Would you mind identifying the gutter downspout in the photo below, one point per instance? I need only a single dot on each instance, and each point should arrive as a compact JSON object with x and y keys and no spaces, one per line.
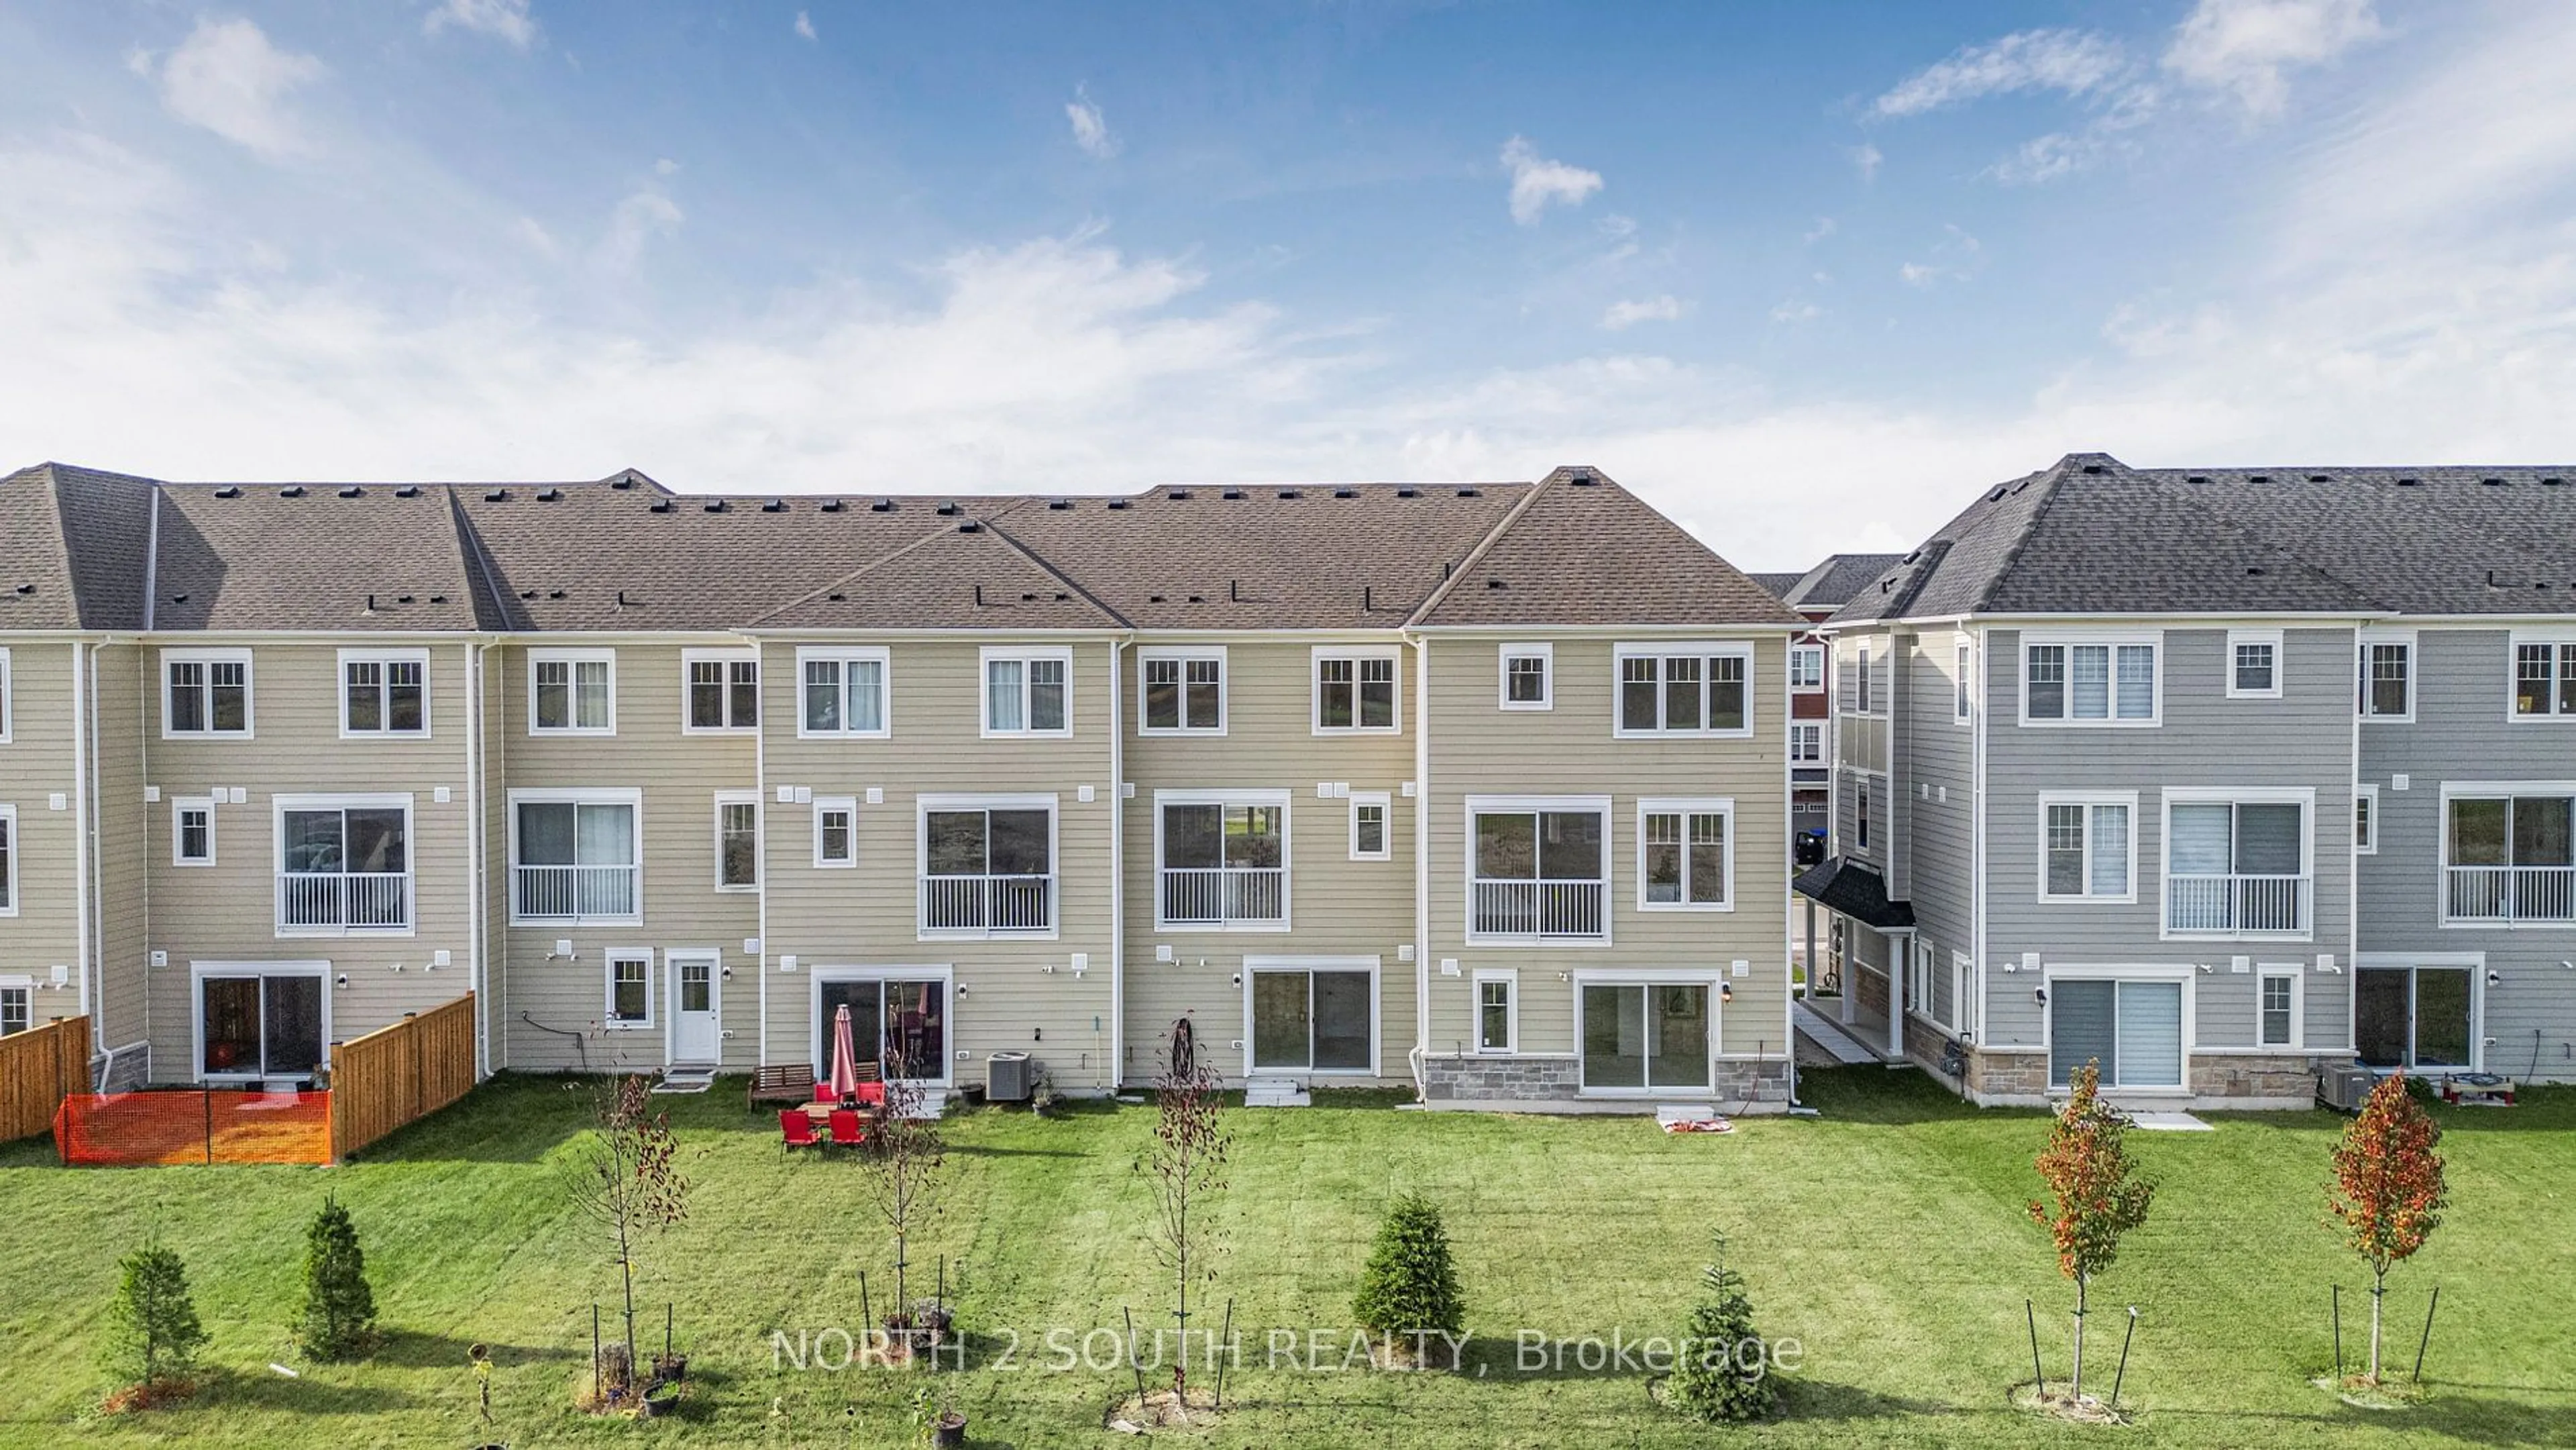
{"x":1788,"y":892}
{"x":760,"y":793}
{"x":475,"y":907}
{"x":1980,"y":670}
{"x":1117,"y":1064}
{"x":1419,"y":1058}
{"x":85,"y":899}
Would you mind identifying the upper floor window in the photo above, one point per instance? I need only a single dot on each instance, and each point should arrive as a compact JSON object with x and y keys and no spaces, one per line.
{"x":844,"y":692}
{"x":1540,"y":868}
{"x":987,"y":865}
{"x":572,"y":692}
{"x":1183,"y":692}
{"x":1963,"y":691}
{"x":192,"y":832}
{"x":724,"y":690}
{"x":737,"y":840}
{"x":343,"y":864}
{"x":384,"y":692}
{"x":2387,"y":678}
{"x":2544,"y":677}
{"x":1026,"y":692}
{"x":2365,"y":820}
{"x":2088,"y":852}
{"x":1354,"y":689}
{"x":2253,"y":664}
{"x":1861,"y":678}
{"x":1695,"y":689}
{"x":1529,"y":672}
{"x":574,"y":856}
{"x":836,"y":831}
{"x":2509,"y":853}
{"x":8,"y":860}
{"x":2081,"y":682}
{"x":1806,"y":668}
{"x":205,"y":692}
{"x":1370,"y":829}
{"x":1860,"y":813}
{"x":1224,"y":860}
{"x":1684,"y":860}
{"x":1806,"y":742}
{"x":2237,"y":864}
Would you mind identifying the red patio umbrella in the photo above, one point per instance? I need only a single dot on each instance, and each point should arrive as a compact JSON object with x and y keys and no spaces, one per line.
{"x":845,"y":1058}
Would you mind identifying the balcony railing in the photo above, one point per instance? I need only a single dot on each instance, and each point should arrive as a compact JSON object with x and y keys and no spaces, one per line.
{"x":1536,"y":910}
{"x":1225,"y":895}
{"x":572,"y":893}
{"x":2237,"y":905}
{"x":987,"y":903}
{"x":2510,"y":893}
{"x":376,"y":900}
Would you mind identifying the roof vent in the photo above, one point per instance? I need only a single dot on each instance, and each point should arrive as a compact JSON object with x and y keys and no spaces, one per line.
{"x":527,"y":594}
{"x":1289,"y":493}
{"x":970,"y":527}
{"x":352,"y":491}
{"x":26,"y":588}
{"x":178,"y":598}
{"x":1198,"y":599}
{"x":554,"y":594}
{"x":408,"y":490}
{"x":1997,"y":494}
{"x":1581,"y":480}
{"x":1059,"y":504}
{"x":623,"y":480}
{"x":2410,"y":483}
{"x":1346,"y":493}
{"x":2320,"y":478}
{"x":774,"y":506}
{"x":2092,"y":468}
{"x":1467,"y":493}
{"x":498,"y":495}
{"x":438,"y":599}
{"x":1061,"y":596}
{"x":831,"y":505}
{"x":402,"y":599}
{"x":1233,"y":493}
{"x":228,"y":491}
{"x":2254,"y":571}
{"x":2492,"y":482}
{"x":1494,"y":584}
{"x":2018,"y":487}
{"x":549,"y":495}
{"x":2553,"y":481}
{"x":836,"y":596}
{"x":1153,"y":599}
{"x":291,"y":491}
{"x":2258,"y":478}
{"x":660,"y":506}
{"x":1408,"y":493}
{"x":1910,"y":558}
{"x":1028,"y":598}
{"x":1118,"y":503}
{"x":2197,"y":478}
{"x":1178,"y":493}
{"x":882,"y":506}
{"x":715,"y":505}
{"x":949,"y":510}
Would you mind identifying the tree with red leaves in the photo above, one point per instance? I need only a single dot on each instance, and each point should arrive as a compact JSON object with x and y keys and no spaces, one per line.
{"x":1185,"y":1162}
{"x":2388,"y":1190}
{"x":2099,"y":1194}
{"x":627,"y":1179}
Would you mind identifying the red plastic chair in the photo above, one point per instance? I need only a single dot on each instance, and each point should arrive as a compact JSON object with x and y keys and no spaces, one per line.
{"x":845,"y":1129}
{"x":796,"y":1128}
{"x":872,"y":1093}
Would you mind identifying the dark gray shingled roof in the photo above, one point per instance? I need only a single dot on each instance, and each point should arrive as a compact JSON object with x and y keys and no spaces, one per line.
{"x":1832,"y":583}
{"x":1777,"y":585}
{"x":2090,"y":535}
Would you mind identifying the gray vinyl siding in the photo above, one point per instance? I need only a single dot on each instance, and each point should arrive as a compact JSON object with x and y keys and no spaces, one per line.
{"x":2303,"y":739}
{"x":1939,"y":798}
{"x":2463,"y":731}
{"x":1861,"y":746}
{"x":37,"y":764}
{"x":1479,"y":749}
{"x":1019,"y":993}
{"x":1337,"y":906}
{"x":679,"y":775}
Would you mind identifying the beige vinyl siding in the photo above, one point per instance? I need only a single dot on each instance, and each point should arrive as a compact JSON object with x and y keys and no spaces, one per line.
{"x":227,"y":911}
{"x":35,"y":765}
{"x":1480,"y":749}
{"x":869,"y":916}
{"x":1337,"y":906}
{"x":678,"y":775}
{"x":124,"y":835}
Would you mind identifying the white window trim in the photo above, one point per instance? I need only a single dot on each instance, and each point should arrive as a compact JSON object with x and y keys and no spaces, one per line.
{"x":1869,"y":788}
{"x":2271,"y":637}
{"x":2413,"y":962}
{"x":572,"y":690}
{"x":418,"y":657}
{"x":673,"y":960}
{"x":984,"y":660}
{"x":1685,"y":807}
{"x":9,"y":697}
{"x":626,"y":796}
{"x":2305,"y":797}
{"x":279,"y":805}
{"x":1921,"y":958}
{"x":9,"y":866}
{"x":1186,"y":653}
{"x":848,"y":805}
{"x":2189,"y":976}
{"x":2512,"y":677}
{"x":1963,"y":690}
{"x":178,"y":807}
{"x":2370,"y":847}
{"x":2483,"y":790}
{"x":842,"y":655}
{"x":1370,"y":965}
{"x":1963,"y":995}
{"x":1523,"y":805}
{"x":1385,"y":802}
{"x":759,"y":852}
{"x":1818,"y":652}
{"x":1864,"y":699}
{"x":2112,"y":640}
{"x":943,"y":973}
{"x":2362,"y":640}
{"x":198,"y":972}
{"x":924,"y":805}
{"x":609,"y":1021}
{"x":25,"y":987}
{"x":2087,"y":799}
{"x":727,"y":657}
{"x":1818,"y":758}
{"x":1510,"y":977}
{"x":2297,"y":972}
{"x":1545,"y":654}
{"x":1315,"y":690}
{"x":250,"y":693}
{"x":1223,"y":798}
{"x":1703,"y":649}
{"x":1714,"y":980}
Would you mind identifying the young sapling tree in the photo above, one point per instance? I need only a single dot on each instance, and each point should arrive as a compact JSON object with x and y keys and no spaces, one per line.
{"x":2099,"y":1195}
{"x":2388,"y":1191}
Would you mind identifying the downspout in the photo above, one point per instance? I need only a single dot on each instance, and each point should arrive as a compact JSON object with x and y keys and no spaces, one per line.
{"x":760,"y":788}
{"x":474,"y":866}
{"x":1788,"y":893}
{"x":498,"y":747}
{"x":1419,"y":1058}
{"x":1981,"y":671}
{"x":1117,"y":1064}
{"x":85,"y":899}
{"x":2378,"y":818}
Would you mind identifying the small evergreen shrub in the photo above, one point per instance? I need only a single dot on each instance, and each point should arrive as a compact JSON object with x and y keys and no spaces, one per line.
{"x":152,"y":1331}
{"x":1723,"y":1369}
{"x":339,"y":1319}
{"x":1409,"y":1290}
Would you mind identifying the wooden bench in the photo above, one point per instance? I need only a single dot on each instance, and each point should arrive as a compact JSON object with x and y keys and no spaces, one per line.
{"x":782,"y":1085}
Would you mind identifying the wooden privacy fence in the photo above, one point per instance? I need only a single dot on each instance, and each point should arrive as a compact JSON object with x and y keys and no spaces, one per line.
{"x":38,"y":1069}
{"x":404,"y":1072}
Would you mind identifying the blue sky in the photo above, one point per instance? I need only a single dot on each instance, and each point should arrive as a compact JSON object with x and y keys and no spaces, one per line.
{"x":1806,"y":275}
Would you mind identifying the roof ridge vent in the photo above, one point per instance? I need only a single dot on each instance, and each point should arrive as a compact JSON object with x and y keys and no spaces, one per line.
{"x":1408,"y":493}
{"x":1346,"y":493}
{"x":830,"y":506}
{"x":496,"y":495}
{"x":351,"y":491}
{"x":660,"y":506}
{"x":1469,"y":493}
{"x":1580,"y":478}
{"x":882,"y":506}
{"x":408,"y":490}
{"x":292,"y":490}
{"x":1232,"y":493}
{"x":549,"y":495}
{"x":774,"y":506}
{"x":1178,"y":493}
{"x":714,"y":505}
{"x":228,"y":491}
{"x":1118,"y":503}
{"x":2492,"y":482}
{"x":1290,"y":493}
{"x":950,"y":509}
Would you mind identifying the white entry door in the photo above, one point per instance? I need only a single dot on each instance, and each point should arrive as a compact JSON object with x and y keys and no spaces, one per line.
{"x":697,"y":1025}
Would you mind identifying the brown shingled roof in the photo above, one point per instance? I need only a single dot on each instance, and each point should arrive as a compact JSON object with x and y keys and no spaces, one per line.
{"x":314,"y":556}
{"x":963,"y":576}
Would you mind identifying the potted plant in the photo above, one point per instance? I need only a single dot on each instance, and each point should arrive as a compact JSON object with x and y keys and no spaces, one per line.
{"x":660,"y":1398}
{"x":942,"y":1424}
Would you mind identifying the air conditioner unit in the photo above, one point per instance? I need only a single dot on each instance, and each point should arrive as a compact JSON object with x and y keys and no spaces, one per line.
{"x":2344,"y":1088}
{"x":1006,"y":1077}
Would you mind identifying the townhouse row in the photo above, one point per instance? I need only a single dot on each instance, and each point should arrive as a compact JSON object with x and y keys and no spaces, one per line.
{"x":1480,"y":789}
{"x":2218,"y":778}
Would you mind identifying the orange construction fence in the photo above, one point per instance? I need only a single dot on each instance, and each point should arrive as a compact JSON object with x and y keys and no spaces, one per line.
{"x":193,"y":1126}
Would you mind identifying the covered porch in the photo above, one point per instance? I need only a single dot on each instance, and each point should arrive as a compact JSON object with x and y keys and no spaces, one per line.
{"x":1854,"y":942}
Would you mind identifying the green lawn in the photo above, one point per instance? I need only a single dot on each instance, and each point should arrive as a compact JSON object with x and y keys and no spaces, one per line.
{"x":1888,"y":1236}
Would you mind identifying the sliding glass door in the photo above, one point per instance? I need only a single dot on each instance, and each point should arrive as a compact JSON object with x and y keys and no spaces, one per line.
{"x":893,"y":1020}
{"x":1310,"y":1019}
{"x":2410,"y":1017}
{"x":2133,"y":1030}
{"x":1645,"y":1037}
{"x":260,"y":1024}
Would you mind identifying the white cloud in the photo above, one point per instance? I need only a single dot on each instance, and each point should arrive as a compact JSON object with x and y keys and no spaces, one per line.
{"x":640,"y":216}
{"x":1538,"y":182}
{"x":1090,"y":127}
{"x":1623,"y":315}
{"x":228,"y":78}
{"x":1922,"y":274}
{"x":504,"y":19}
{"x":1823,"y":228}
{"x":2074,"y":62}
{"x":1794,"y":311}
{"x":2243,"y":46}
{"x":805,"y":25}
{"x":1866,"y":159}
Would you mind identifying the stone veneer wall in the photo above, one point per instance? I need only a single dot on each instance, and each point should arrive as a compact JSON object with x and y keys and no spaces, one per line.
{"x":2264,"y":1076}
{"x":1478,"y":1077}
{"x":1869,"y":986}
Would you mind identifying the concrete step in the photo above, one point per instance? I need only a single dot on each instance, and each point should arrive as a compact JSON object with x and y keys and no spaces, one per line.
{"x":1275,"y":1092}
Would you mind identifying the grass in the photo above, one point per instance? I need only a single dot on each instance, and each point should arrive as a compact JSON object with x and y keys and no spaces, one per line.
{"x":1888,"y":1236}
